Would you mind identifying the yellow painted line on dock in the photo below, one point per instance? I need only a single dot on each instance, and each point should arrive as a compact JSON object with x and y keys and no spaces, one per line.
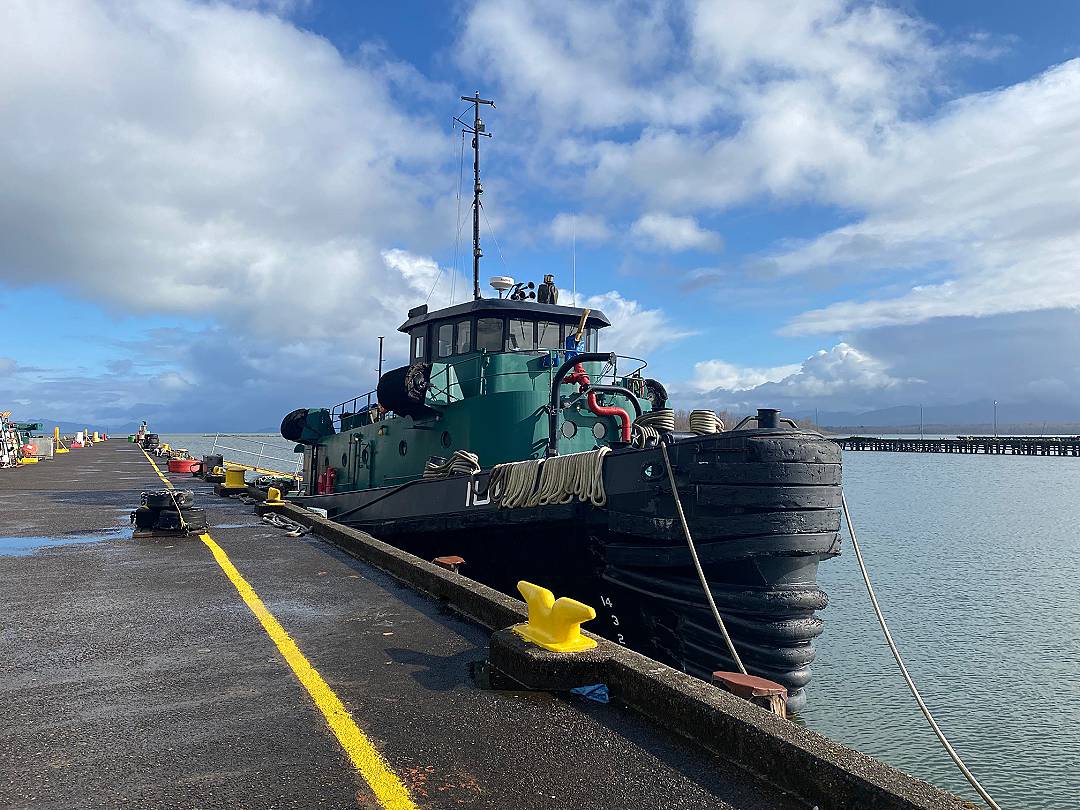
{"x":390,"y":792}
{"x":388,"y":789}
{"x":157,"y":469}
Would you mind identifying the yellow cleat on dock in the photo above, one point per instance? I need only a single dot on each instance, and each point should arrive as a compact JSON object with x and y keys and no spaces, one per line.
{"x":554,"y":624}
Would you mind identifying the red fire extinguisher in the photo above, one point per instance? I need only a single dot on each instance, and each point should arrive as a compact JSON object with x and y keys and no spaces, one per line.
{"x":325,"y":484}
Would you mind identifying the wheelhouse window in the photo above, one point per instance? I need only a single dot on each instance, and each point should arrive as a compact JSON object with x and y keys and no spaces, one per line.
{"x":489,"y":334}
{"x":445,"y":345}
{"x":548,"y":335}
{"x":463,"y":345}
{"x":590,"y":340}
{"x":521,"y":337}
{"x":418,"y":344}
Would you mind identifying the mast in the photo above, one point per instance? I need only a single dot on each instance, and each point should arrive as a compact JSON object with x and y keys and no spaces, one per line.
{"x":477,"y":129}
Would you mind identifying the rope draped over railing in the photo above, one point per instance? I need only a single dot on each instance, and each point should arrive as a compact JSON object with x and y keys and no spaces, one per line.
{"x":551,"y":480}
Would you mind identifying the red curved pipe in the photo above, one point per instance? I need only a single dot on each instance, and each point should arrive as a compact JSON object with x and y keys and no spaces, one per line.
{"x":604,"y":410}
{"x":579,"y":376}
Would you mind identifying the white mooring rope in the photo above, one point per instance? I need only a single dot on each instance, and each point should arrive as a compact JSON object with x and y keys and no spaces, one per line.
{"x":697,"y":562}
{"x":703,"y":422}
{"x":462,"y":462}
{"x":903,"y":669}
{"x":553,"y":480}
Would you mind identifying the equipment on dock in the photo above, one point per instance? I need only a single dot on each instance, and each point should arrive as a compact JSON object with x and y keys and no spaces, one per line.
{"x":511,"y":439}
{"x":170,"y":511}
{"x":554,"y":624}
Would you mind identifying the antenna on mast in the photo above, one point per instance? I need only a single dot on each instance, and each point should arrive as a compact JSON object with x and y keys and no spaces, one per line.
{"x":476,"y":130}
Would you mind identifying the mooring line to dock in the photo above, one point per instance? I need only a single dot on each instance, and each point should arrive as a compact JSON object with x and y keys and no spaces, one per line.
{"x":389,"y":791}
{"x":903,"y":668}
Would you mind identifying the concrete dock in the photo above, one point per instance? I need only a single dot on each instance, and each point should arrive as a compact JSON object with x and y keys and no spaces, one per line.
{"x":137,"y":672}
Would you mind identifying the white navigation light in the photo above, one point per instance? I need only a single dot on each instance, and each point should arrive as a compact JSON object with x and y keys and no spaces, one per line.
{"x":501,"y":283}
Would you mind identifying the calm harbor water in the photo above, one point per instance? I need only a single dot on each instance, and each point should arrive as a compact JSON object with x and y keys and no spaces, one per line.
{"x":976,"y":561}
{"x":268,"y":449}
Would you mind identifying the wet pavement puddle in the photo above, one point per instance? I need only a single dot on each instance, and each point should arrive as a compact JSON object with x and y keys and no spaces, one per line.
{"x":23,"y":546}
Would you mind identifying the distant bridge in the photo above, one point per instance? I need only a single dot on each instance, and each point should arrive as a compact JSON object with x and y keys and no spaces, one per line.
{"x":989,"y":445}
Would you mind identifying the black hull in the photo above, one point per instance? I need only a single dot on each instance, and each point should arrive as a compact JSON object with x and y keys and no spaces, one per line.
{"x":763,"y":508}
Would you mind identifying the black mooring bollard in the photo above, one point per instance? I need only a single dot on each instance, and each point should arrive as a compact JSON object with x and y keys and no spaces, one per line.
{"x":768,"y":417}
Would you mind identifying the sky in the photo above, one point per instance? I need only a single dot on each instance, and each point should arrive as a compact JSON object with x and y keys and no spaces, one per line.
{"x":210,"y":211}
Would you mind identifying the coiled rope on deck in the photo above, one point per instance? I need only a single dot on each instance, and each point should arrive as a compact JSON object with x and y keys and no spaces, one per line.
{"x":903,"y":668}
{"x":462,"y":462}
{"x":703,"y":422}
{"x":648,"y":427}
{"x":552,"y":480}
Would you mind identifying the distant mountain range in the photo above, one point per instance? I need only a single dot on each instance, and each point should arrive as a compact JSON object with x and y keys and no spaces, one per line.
{"x":68,"y":428}
{"x":978,"y":416}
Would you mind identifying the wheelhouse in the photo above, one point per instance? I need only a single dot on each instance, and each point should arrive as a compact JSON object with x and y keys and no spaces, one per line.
{"x":493,"y":326}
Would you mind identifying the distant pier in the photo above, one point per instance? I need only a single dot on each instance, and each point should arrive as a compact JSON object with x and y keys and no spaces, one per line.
{"x":988,"y":445}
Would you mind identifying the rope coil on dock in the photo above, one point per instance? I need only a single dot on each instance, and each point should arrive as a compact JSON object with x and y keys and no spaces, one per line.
{"x":553,"y":480}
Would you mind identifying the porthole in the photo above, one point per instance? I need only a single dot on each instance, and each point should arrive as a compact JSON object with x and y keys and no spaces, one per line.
{"x":403,"y":447}
{"x":599,"y":430}
{"x":446,"y":440}
{"x":364,"y":456}
{"x":651,"y":472}
{"x":344,"y":459}
{"x":569,"y":430}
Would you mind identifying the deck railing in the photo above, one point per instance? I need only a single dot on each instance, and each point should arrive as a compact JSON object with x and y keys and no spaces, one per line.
{"x":256,"y":455}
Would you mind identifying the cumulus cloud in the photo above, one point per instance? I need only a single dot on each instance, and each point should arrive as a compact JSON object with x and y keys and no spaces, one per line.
{"x":585,"y":228}
{"x":840,"y":374}
{"x":659,"y":231}
{"x":723,"y":101}
{"x":824,"y":102}
{"x":200,"y":158}
{"x":989,"y":190}
{"x":710,"y":375}
{"x":634,"y":329}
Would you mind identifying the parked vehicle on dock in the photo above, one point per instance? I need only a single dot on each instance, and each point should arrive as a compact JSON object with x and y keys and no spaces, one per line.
{"x":513,"y":440}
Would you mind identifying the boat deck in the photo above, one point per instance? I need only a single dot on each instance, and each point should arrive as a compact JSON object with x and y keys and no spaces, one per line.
{"x":133,"y":672}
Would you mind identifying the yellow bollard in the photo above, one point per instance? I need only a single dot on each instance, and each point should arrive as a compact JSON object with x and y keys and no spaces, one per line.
{"x":57,"y":447}
{"x":97,"y":436}
{"x":273,"y":497}
{"x":554,"y":624}
{"x":234,"y":477}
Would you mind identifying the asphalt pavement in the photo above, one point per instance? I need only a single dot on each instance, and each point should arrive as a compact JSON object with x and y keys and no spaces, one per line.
{"x":133,"y":674}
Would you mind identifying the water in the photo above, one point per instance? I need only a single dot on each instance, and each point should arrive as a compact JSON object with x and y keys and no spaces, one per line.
{"x":976,"y":562}
{"x":22,"y":546}
{"x":277,"y":453}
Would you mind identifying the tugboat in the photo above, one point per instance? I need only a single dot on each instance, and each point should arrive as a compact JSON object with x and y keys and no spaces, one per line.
{"x":513,"y":441}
